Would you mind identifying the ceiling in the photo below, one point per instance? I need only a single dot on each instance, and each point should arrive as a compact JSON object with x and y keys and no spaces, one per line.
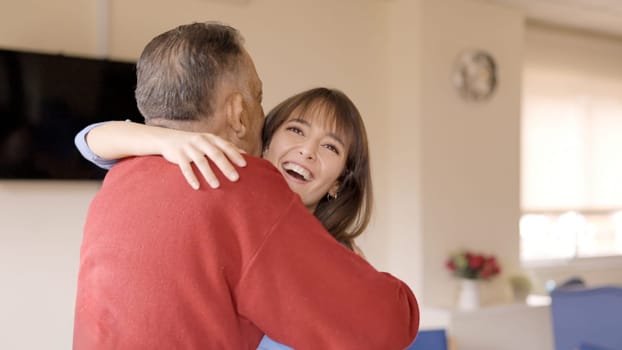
{"x":593,"y":15}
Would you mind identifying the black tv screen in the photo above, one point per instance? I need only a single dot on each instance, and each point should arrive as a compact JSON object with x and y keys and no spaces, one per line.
{"x":46,"y":99}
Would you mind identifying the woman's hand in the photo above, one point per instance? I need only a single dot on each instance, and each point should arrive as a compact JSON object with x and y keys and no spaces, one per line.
{"x":184,"y":148}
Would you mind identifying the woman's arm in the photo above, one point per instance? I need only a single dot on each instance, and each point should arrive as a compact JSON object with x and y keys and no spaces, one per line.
{"x":114,"y":140}
{"x":87,"y":153}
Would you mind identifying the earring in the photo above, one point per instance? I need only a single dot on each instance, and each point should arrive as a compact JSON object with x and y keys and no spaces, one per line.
{"x":331,"y":196}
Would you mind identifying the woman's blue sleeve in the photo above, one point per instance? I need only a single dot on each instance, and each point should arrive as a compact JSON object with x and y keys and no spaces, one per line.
{"x":269,"y":344}
{"x":85,"y":151}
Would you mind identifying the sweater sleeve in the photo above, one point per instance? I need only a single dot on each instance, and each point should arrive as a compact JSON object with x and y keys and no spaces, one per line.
{"x":87,"y":153}
{"x":304,"y":289}
{"x":269,"y":344}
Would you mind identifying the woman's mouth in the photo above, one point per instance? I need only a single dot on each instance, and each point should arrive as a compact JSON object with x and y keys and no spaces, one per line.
{"x":297,"y":172}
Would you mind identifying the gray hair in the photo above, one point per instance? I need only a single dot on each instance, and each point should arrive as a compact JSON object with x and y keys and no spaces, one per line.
{"x":179,"y":71}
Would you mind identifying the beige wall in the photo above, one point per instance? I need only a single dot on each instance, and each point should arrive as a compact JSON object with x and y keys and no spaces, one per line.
{"x":470,"y":151}
{"x":446,"y":171}
{"x":402,"y":214}
{"x":63,"y":27}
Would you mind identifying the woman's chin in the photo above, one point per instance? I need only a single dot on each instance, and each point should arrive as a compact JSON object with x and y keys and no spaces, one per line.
{"x":309,"y":204}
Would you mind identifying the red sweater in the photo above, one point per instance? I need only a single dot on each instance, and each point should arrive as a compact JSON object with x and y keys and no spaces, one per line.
{"x":163,"y":266}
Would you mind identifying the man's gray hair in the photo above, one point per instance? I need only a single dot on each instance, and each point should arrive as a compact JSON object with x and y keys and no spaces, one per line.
{"x":179,"y":71}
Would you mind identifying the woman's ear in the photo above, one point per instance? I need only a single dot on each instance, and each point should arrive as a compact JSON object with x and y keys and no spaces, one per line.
{"x":236,"y":120}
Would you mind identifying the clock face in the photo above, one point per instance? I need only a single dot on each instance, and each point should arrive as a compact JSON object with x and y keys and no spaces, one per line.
{"x":475,"y":75}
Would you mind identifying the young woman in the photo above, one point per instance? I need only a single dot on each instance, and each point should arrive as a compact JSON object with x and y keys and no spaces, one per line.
{"x":316,"y":140}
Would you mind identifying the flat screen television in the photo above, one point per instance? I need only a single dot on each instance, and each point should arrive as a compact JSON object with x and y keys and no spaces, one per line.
{"x":46,"y":99}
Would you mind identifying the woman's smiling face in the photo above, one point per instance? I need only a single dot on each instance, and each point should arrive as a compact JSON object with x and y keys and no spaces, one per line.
{"x":310,"y":154}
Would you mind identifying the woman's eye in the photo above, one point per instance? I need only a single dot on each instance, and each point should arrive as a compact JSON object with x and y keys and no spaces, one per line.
{"x":295,"y":130}
{"x":332,"y":148}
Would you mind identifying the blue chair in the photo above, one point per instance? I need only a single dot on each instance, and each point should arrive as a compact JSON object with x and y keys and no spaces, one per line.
{"x":587,"y":318}
{"x":430,"y":339}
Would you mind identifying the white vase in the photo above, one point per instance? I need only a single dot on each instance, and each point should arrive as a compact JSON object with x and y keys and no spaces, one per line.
{"x":468,"y":299}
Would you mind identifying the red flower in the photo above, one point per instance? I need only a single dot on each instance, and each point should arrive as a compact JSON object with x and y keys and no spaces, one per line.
{"x":470,"y":265}
{"x":475,"y":261}
{"x":489,"y":268}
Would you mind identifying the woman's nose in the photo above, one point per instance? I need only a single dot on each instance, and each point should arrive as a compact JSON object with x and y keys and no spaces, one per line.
{"x":308,"y":151}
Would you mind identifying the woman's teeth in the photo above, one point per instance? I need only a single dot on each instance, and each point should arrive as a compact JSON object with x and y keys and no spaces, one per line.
{"x":297,"y":171}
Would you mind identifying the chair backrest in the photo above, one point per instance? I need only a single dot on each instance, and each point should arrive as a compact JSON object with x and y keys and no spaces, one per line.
{"x":587,"y":316}
{"x":430,"y":339}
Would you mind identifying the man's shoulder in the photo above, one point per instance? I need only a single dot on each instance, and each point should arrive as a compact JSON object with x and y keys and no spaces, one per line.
{"x":142,"y":166}
{"x":259,"y":175}
{"x":256,"y":164}
{"x":259,"y":178}
{"x":261,"y":170}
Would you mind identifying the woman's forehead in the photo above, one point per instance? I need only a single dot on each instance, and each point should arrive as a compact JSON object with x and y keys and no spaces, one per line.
{"x":324,"y":116}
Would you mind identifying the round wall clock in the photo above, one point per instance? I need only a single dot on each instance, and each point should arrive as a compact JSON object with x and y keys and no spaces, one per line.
{"x":475,"y":75}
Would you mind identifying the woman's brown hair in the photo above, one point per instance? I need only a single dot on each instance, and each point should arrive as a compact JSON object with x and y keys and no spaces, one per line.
{"x":345,"y":216}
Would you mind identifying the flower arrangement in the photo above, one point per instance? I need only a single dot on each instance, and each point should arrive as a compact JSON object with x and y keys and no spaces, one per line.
{"x":466,"y":264}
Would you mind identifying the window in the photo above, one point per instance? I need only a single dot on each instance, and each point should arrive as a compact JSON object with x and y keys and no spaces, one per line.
{"x":571,"y":146}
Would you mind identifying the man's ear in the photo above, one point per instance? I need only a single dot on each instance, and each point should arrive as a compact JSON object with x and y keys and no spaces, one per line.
{"x":235,"y":113}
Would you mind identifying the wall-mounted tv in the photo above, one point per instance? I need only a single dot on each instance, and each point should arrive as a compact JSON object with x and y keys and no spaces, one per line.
{"x":46,"y":99}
